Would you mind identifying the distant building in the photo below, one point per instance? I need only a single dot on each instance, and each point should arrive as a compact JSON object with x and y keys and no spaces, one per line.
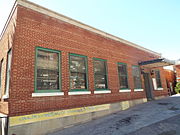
{"x":56,"y":72}
{"x":177,"y":69}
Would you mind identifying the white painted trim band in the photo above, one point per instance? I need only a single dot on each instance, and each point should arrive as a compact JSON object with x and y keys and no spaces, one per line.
{"x":79,"y":93}
{"x":125,"y":90}
{"x":47,"y":94}
{"x":102,"y":91}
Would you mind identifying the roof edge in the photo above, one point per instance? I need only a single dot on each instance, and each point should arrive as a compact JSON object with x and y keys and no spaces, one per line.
{"x":66,"y":19}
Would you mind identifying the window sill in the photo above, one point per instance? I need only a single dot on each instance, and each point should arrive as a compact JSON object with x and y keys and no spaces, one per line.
{"x":5,"y":96}
{"x":47,"y":94}
{"x":101,"y":91}
{"x":125,"y":90}
{"x":79,"y":92}
{"x":138,"y":89}
{"x":3,"y":115}
{"x":159,"y":89}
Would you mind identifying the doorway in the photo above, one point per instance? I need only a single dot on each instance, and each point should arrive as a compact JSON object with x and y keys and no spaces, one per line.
{"x":148,"y":86}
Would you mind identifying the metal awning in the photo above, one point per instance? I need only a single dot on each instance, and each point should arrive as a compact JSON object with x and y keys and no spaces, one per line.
{"x":161,"y":62}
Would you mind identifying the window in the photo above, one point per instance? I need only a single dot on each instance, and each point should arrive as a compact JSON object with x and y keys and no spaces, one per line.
{"x":123,"y":76}
{"x":136,"y":77}
{"x":47,"y":70}
{"x":100,"y":74}
{"x":8,"y":71}
{"x":158,"y":79}
{"x":78,"y":72}
{"x":1,"y":63}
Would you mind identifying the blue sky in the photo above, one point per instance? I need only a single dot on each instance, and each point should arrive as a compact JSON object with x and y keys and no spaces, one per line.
{"x":153,"y":24}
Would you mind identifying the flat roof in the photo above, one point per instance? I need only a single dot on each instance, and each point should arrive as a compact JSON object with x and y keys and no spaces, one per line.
{"x":61,"y":17}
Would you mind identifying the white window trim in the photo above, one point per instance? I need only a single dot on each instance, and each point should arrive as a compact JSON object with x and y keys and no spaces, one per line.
{"x":138,"y":89}
{"x":125,"y":90}
{"x":47,"y":94}
{"x":79,"y":92}
{"x":101,"y":91}
{"x":154,"y":83}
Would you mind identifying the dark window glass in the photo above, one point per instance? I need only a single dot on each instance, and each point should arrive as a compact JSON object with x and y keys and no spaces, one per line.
{"x":100,"y":74}
{"x":47,"y":64}
{"x":123,"y":79}
{"x":136,"y":77}
{"x":78,"y":72}
{"x":158,"y":79}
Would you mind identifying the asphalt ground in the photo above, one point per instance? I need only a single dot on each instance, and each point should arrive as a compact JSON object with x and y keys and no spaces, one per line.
{"x":158,"y":117}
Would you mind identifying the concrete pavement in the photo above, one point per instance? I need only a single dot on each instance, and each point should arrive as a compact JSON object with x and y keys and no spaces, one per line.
{"x":159,"y":117}
{"x":169,"y":126}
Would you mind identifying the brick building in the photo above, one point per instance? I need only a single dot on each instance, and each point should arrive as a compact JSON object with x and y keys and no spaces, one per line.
{"x":56,"y":71}
{"x":170,"y":76}
{"x":177,"y":69}
{"x":177,"y":73}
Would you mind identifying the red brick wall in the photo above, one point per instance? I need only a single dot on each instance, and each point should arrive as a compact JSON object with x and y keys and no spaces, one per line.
{"x":170,"y":77}
{"x":35,"y":29}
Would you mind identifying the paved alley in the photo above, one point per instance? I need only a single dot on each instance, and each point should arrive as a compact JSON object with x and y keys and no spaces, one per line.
{"x":158,"y":117}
